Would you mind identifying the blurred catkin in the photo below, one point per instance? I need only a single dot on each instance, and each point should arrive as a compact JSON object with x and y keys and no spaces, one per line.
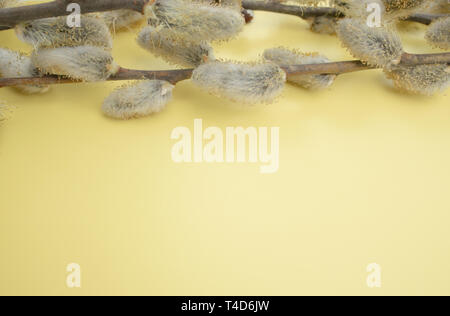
{"x":438,"y":33}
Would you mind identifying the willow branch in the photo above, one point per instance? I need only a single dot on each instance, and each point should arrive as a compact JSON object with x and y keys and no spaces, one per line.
{"x":175,"y":76}
{"x":310,"y":12}
{"x":172,"y":76}
{"x":10,"y":17}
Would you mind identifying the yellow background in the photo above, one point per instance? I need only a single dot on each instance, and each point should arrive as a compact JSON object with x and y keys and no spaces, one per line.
{"x":364,"y":177}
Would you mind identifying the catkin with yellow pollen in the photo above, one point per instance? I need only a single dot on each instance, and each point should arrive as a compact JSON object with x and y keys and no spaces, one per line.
{"x":438,"y":33}
{"x":138,"y":100}
{"x":420,"y":79}
{"x":404,"y":8}
{"x":17,"y":65}
{"x":86,"y":63}
{"x":195,"y":20}
{"x":55,"y":32}
{"x":174,"y":49}
{"x":377,"y":46}
{"x":285,"y":57}
{"x":246,"y":83}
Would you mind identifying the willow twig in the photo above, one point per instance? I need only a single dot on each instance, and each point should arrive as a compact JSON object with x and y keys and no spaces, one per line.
{"x":175,"y":76}
{"x":310,"y":12}
{"x":9,"y":17}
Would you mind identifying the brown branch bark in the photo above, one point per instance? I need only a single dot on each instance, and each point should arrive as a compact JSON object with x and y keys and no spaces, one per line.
{"x":175,"y":76}
{"x":10,"y":17}
{"x":309,"y":12}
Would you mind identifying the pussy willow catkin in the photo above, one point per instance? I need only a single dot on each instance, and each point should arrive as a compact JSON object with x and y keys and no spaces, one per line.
{"x":377,"y":46}
{"x":438,"y":34}
{"x":55,"y":32}
{"x":286,"y":57}
{"x":138,"y":100}
{"x":197,"y":21}
{"x":16,"y":65}
{"x":404,"y":7}
{"x":246,"y":83}
{"x":421,"y":79}
{"x":87,"y":63}
{"x":118,"y":20}
{"x":174,"y":49}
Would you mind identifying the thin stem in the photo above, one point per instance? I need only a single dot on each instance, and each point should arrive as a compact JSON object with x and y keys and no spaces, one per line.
{"x":338,"y":68}
{"x":175,"y":76}
{"x":10,"y":17}
{"x":300,"y":11}
{"x":309,"y":12}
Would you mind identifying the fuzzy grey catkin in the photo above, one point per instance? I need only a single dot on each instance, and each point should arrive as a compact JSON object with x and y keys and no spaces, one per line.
{"x":17,"y":65}
{"x":87,"y":63}
{"x":138,"y":100}
{"x":194,"y":20}
{"x":438,"y":33}
{"x":421,"y":79}
{"x":174,"y":49}
{"x":55,"y":32}
{"x":118,"y":20}
{"x":377,"y":46}
{"x":285,"y":57}
{"x":246,"y":83}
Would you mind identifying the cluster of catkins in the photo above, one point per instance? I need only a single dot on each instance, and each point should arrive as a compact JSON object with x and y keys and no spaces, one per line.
{"x":381,"y":46}
{"x":392,"y":10}
{"x":182,"y":31}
